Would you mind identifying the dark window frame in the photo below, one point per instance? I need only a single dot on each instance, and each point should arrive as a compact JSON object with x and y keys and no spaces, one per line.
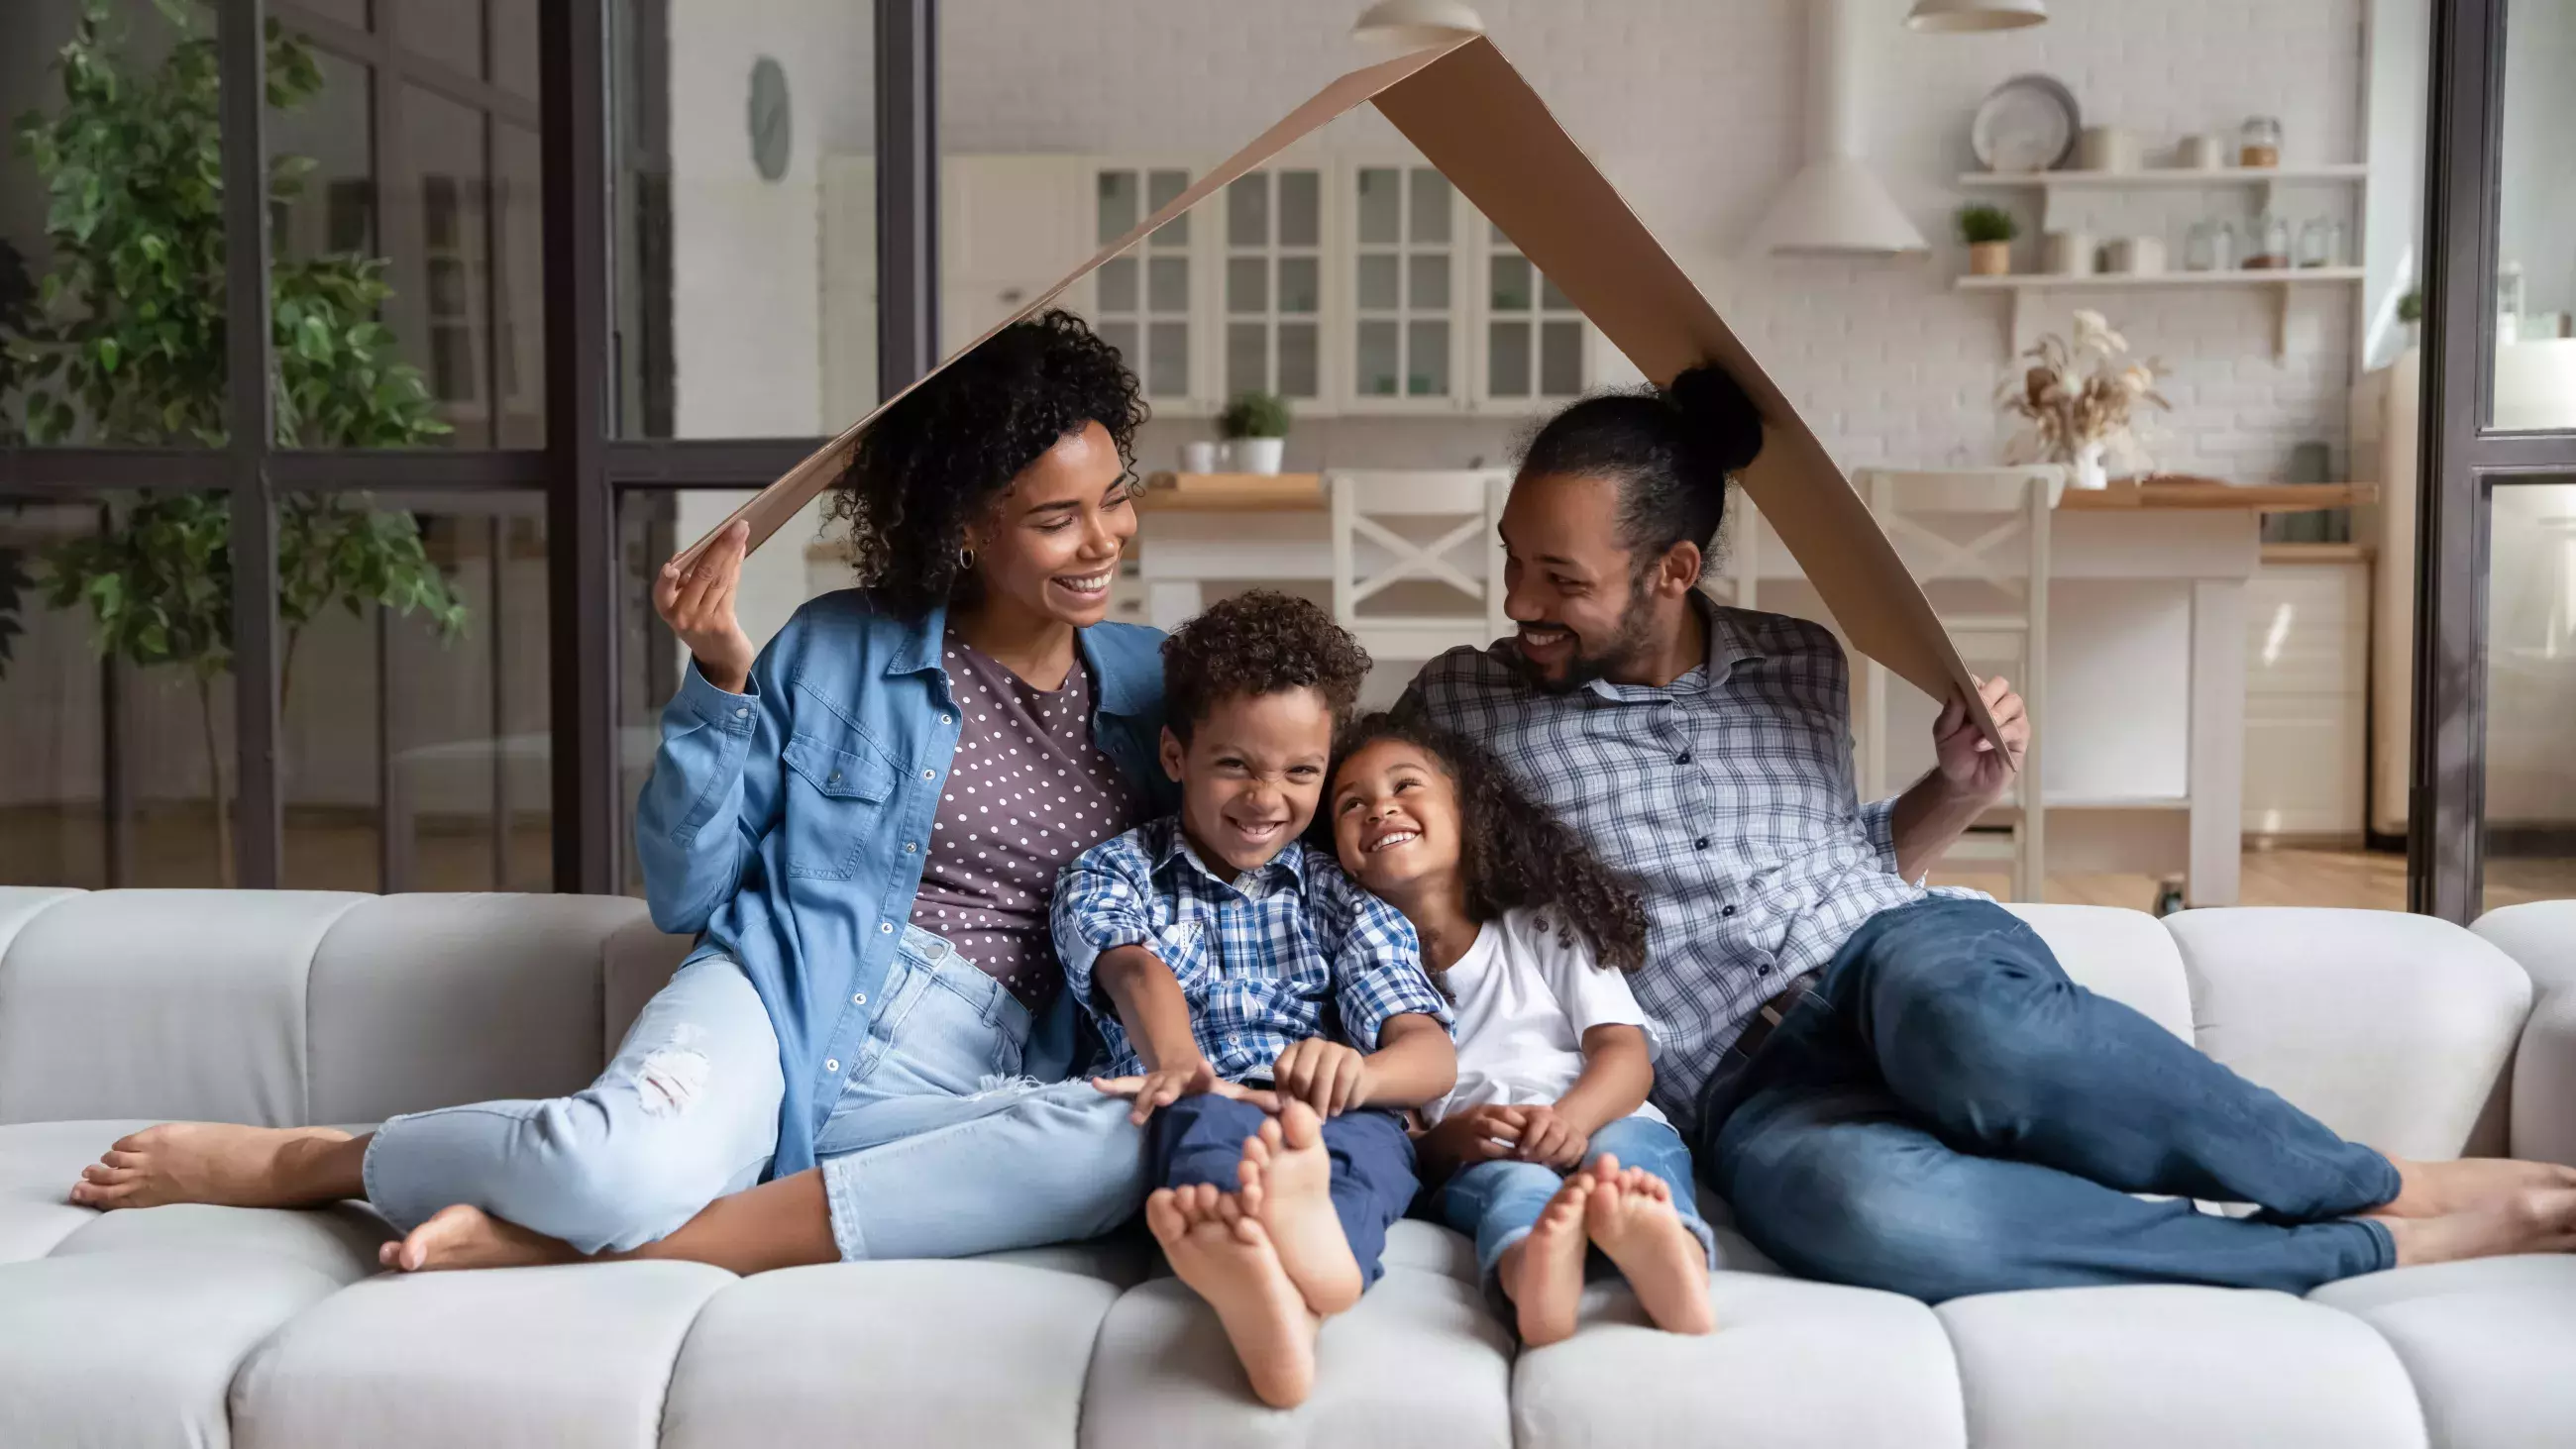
{"x":585,"y":464}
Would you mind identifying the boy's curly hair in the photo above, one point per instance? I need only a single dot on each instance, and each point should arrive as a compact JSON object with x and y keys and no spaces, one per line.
{"x":939,"y":458}
{"x":1513,"y":851}
{"x":1256,"y":643}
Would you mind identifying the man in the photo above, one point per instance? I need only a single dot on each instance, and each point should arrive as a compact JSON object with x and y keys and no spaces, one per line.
{"x":1893,"y":1086}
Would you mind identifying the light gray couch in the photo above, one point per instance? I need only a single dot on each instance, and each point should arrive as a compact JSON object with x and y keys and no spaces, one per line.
{"x":207,"y":1326}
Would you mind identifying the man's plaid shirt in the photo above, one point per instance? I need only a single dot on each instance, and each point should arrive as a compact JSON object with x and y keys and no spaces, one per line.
{"x":1726,"y":797}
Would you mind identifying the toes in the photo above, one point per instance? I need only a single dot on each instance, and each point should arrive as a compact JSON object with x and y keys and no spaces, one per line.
{"x":1299,"y":1127}
{"x":1256,"y":1148}
{"x":106,"y":1176}
{"x":1271,"y":1137}
{"x":1162,"y":1215}
{"x":115,"y":1158}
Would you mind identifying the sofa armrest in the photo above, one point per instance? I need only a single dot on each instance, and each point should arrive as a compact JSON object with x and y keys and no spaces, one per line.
{"x":2541,"y":937}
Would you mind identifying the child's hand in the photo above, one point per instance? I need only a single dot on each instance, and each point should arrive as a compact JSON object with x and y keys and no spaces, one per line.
{"x":1325,"y":1075}
{"x":1551,"y":1140}
{"x":1467,"y":1137}
{"x":1163,"y":1087}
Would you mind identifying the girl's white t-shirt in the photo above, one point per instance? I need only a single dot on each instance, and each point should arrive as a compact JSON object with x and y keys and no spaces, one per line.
{"x":1525,"y":999}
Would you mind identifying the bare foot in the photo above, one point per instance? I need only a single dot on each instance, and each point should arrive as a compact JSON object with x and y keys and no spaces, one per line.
{"x":1543,"y":1273}
{"x":2434,"y":1189}
{"x":1630,"y":1217}
{"x":468,"y":1237}
{"x":1288,"y":1185}
{"x":2533,"y":1220}
{"x":222,"y":1164}
{"x":1223,"y":1252}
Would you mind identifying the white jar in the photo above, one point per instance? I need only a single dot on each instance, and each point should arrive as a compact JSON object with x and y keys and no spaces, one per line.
{"x":2069,"y":254}
{"x":2107,"y":148}
{"x":2142,"y":256}
{"x":2203,"y":152}
{"x":1198,"y":457}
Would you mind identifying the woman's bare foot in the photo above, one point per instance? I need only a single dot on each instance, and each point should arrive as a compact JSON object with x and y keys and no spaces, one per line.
{"x":226,"y":1165}
{"x":468,"y":1237}
{"x":1543,"y":1273}
{"x":2533,"y":1220}
{"x":1223,"y":1252}
{"x":1630,"y":1217}
{"x":2435,"y":1189}
{"x":1288,"y":1186}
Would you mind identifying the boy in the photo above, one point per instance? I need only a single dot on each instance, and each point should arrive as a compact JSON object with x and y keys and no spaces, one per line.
{"x":1215,"y":950}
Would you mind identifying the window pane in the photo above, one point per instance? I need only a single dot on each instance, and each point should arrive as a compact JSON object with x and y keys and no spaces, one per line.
{"x":514,"y":45}
{"x":1301,"y":208}
{"x":416,"y":750}
{"x":1427,"y":359}
{"x":443,"y":243}
{"x":1378,"y":206}
{"x":1117,"y":284}
{"x":1167,"y":284}
{"x":1430,"y":276}
{"x":1298,"y":360}
{"x":112,"y":740}
{"x":518,"y":286}
{"x":1560,"y":358}
{"x":1299,"y":290}
{"x":1507,"y":359}
{"x":1510,"y":287}
{"x":1160,"y":190}
{"x":1247,"y":357}
{"x":2530,"y":824}
{"x":746,"y":306}
{"x":144,"y":190}
{"x":2535,"y":283}
{"x":332,"y":207}
{"x":347,"y":12}
{"x":1378,"y":364}
{"x":1553,"y":299}
{"x":451,"y":34}
{"x":1430,"y":206}
{"x":1247,"y":285}
{"x":1119,"y":210}
{"x":1167,"y":362}
{"x":1377,"y":281}
{"x":1247,"y":211}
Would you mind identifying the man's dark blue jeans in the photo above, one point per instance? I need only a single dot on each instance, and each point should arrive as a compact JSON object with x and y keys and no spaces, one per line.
{"x":1946,"y":1113}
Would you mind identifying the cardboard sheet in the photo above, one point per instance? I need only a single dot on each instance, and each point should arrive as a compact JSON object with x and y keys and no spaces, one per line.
{"x":1474,"y":118}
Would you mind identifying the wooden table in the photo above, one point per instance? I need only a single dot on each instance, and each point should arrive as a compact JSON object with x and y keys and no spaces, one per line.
{"x":2147,"y":655}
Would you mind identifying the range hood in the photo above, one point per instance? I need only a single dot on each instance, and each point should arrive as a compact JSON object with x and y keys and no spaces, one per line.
{"x":1836,"y":206}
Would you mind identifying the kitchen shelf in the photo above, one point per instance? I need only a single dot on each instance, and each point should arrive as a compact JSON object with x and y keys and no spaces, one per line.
{"x":2171,"y":176}
{"x":2022,"y":286}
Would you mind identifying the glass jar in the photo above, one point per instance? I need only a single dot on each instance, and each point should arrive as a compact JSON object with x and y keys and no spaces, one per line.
{"x":2259,"y":144}
{"x":2200,"y":247}
{"x":2222,"y":246}
{"x":2267,"y":244}
{"x":2316,"y":243}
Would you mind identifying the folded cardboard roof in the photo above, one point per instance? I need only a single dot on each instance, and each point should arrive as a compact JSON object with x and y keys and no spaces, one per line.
{"x":1473,"y":116}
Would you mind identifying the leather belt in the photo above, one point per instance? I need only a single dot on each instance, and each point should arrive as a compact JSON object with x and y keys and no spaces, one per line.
{"x":1767,"y":1017}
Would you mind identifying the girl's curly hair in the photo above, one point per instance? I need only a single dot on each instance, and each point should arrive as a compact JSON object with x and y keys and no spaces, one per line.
{"x":1514,"y":852}
{"x":940,"y":457}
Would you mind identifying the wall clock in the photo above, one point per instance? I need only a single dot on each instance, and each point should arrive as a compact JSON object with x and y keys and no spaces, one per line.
{"x":770,"y":133}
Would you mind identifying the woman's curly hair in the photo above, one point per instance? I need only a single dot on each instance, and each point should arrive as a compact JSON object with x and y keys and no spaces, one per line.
{"x":1513,"y":851}
{"x":939,"y":458}
{"x":1257,"y":643}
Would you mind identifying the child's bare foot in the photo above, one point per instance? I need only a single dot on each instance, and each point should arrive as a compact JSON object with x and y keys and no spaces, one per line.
{"x":1223,"y":1252}
{"x":1288,"y":1185}
{"x":2533,"y":1220}
{"x":1543,"y":1273}
{"x":1630,"y":1216}
{"x":468,"y":1237}
{"x":222,"y":1164}
{"x":2434,"y":1189}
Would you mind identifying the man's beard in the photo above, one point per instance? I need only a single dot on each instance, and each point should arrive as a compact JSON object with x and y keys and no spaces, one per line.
{"x":1625,"y":646}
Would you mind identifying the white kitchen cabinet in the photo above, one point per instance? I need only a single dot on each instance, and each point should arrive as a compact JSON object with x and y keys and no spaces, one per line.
{"x":2307,"y":660}
{"x":1276,"y":222}
{"x":1008,"y":227}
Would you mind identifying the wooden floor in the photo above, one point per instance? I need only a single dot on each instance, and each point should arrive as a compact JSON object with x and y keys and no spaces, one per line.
{"x":178,"y":850}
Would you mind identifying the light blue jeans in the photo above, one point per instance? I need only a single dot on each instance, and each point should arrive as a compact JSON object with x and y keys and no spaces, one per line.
{"x":1497,"y":1203}
{"x":935,"y":1149}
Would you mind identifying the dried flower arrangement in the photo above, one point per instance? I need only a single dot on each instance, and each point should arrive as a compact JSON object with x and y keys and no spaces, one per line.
{"x":2079,"y":398}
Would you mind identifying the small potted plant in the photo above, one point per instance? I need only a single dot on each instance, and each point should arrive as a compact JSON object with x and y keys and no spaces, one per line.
{"x":1989,"y":231}
{"x":1255,"y":425}
{"x":2410,"y":315}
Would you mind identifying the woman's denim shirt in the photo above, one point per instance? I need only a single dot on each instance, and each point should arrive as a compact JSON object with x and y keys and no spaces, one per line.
{"x":786,"y":825}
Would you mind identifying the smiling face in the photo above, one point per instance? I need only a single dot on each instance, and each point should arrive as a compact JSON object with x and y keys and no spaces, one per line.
{"x":1050,"y":547}
{"x":1396,"y":822}
{"x":1572,"y":583}
{"x":1250,"y":775}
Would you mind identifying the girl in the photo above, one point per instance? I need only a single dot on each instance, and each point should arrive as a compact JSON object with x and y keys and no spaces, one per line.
{"x":1528,"y":932}
{"x":861,"y":824}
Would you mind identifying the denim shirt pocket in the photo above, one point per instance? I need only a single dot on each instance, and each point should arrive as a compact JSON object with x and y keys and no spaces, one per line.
{"x":833,"y":806}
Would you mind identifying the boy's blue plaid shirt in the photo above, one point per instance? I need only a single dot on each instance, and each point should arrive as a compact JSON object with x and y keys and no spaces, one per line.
{"x":1292,"y":950}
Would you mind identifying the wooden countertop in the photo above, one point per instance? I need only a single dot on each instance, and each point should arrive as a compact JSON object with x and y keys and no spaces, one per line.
{"x":1304,"y":492}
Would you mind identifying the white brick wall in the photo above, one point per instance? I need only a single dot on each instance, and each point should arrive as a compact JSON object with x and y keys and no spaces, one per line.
{"x":1693,"y":107}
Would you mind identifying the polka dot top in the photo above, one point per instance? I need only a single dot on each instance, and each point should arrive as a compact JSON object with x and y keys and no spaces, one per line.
{"x":1026,"y":794}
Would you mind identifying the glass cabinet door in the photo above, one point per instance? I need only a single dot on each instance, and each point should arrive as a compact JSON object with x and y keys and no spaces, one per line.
{"x":1141,"y":301}
{"x":1404,"y":305}
{"x":1274,"y":291}
{"x":1533,"y":334}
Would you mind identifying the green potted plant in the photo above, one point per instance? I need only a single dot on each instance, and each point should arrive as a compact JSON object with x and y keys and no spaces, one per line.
{"x":2410,"y":314}
{"x":1255,"y":425}
{"x":125,"y":343}
{"x":1988,"y":230}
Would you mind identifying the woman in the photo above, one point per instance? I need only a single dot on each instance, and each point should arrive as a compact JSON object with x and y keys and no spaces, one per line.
{"x":863,"y":826}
